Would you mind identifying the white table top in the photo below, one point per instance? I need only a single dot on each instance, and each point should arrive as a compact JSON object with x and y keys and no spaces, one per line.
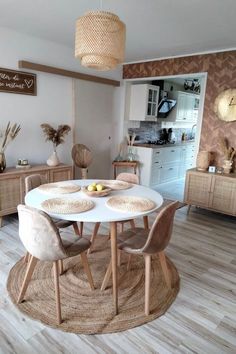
{"x":100,"y":212}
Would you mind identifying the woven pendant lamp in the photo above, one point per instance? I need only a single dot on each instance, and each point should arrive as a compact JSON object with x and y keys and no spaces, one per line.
{"x":100,"y":40}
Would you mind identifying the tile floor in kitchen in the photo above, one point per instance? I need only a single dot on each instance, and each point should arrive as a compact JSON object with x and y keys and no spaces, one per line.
{"x":172,"y":190}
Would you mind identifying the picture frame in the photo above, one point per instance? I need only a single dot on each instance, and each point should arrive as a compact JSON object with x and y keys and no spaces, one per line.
{"x":212,"y":169}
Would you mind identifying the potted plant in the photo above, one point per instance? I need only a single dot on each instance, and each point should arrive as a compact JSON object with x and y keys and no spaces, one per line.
{"x":56,"y":136}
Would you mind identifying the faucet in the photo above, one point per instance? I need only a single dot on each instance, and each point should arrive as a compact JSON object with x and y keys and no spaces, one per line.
{"x":191,"y":135}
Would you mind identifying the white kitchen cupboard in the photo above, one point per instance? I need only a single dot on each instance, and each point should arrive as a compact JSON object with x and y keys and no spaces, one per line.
{"x":210,"y":191}
{"x":164,"y":164}
{"x":187,"y":158}
{"x":143,"y":102}
{"x":186,"y":109}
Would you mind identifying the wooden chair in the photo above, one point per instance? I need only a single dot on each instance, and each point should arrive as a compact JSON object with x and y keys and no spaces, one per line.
{"x":41,"y":238}
{"x":125,"y":177}
{"x":141,"y":241}
{"x":34,"y":181}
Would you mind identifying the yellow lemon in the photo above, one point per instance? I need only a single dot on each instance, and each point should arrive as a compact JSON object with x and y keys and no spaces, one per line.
{"x":100,"y":187}
{"x":94,"y":184}
{"x":91,"y":188}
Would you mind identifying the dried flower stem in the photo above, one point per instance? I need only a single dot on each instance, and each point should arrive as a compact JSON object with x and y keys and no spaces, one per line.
{"x":9,"y":135}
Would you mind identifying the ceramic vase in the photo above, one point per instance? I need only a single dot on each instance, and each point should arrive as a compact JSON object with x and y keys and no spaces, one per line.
{"x":203,"y":160}
{"x":227,"y":166}
{"x":53,"y":160}
{"x":2,"y":162}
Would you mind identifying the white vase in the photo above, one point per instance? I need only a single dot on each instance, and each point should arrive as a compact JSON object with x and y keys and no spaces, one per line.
{"x":53,"y":160}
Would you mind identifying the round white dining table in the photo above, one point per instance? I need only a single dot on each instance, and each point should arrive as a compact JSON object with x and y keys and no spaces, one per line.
{"x":99,"y":213}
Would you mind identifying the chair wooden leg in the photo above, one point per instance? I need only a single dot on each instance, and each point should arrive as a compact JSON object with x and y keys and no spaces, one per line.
{"x":129,"y":262}
{"x":107,"y":277}
{"x":164,"y":267}
{"x":87,"y":269}
{"x":26,"y":257}
{"x":122,"y":227}
{"x":147,"y":283}
{"x":28,"y":275}
{"x":61,"y":270}
{"x":94,"y":235}
{"x":132,"y":224}
{"x":76,"y":229}
{"x":145,"y":222}
{"x":189,"y":207}
{"x":57,"y":291}
{"x":81,"y":228}
{"x":118,"y":258}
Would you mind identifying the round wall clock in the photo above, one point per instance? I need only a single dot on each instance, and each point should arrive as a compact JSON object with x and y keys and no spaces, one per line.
{"x":225,"y":105}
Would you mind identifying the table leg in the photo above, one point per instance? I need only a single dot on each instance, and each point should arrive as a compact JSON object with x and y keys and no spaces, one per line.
{"x":113,"y":232}
{"x":1,"y":218}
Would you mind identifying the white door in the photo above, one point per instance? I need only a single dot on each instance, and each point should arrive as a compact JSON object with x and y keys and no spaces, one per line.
{"x":93,"y":125}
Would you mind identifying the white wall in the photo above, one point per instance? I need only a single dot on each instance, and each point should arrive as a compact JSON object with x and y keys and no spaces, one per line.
{"x":53,"y":103}
{"x":97,"y":125}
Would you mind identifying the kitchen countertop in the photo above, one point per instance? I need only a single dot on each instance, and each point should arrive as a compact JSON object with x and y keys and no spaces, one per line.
{"x":154,"y":146}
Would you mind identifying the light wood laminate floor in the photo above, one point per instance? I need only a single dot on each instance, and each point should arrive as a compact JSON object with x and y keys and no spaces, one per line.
{"x":202,"y":319}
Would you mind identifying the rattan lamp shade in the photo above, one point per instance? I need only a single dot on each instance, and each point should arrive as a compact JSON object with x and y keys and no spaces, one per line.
{"x":100,"y":40}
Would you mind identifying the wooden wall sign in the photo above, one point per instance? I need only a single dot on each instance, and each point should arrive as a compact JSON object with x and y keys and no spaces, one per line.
{"x":14,"y":81}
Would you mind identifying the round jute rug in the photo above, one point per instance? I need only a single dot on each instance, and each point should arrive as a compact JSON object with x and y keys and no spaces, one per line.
{"x":89,"y":312}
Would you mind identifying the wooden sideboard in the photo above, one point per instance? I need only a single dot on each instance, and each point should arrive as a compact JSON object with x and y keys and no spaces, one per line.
{"x":211,"y":191}
{"x":12,"y":184}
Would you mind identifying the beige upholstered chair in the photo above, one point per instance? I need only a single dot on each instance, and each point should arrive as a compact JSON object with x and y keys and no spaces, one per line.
{"x":41,"y":238}
{"x":139,"y":241}
{"x":34,"y":181}
{"x":126,"y":177}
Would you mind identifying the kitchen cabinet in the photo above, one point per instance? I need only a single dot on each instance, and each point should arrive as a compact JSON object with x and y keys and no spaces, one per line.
{"x":12,"y":184}
{"x":186,"y":109}
{"x":164,"y":164}
{"x":143,"y":102}
{"x":211,"y":191}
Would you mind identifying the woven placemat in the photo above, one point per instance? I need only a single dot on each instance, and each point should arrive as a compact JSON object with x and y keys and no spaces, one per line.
{"x":127,"y":203}
{"x":67,"y":206}
{"x":59,"y":188}
{"x":116,"y":184}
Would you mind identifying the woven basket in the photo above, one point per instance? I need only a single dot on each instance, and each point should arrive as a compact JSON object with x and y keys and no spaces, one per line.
{"x":100,"y":40}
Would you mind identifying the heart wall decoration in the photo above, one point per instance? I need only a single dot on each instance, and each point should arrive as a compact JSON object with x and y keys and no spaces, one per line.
{"x":13,"y":81}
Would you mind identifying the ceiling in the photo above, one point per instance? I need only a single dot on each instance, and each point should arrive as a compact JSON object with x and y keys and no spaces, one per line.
{"x":155,"y":28}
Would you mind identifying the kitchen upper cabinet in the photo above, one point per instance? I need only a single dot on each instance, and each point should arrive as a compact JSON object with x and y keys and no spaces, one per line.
{"x":143,"y":102}
{"x":186,"y":109}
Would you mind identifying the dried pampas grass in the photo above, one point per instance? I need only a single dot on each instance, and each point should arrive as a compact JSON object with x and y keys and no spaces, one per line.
{"x":55,"y":135}
{"x":228,"y":151}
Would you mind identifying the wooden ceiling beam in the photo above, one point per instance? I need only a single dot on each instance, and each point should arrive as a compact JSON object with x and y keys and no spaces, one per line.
{"x":22,"y":64}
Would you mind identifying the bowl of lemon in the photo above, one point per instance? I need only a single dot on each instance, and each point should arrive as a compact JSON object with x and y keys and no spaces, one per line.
{"x":96,"y":190}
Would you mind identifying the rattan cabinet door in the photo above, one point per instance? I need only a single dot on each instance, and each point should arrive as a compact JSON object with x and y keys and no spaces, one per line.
{"x":62,"y":174}
{"x":10,"y":194}
{"x":198,"y":189}
{"x":223,"y":194}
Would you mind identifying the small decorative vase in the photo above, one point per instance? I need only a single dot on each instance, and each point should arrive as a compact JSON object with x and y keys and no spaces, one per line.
{"x":227,"y":166}
{"x":53,"y":160}
{"x":2,"y":162}
{"x":203,"y":160}
{"x":130,"y":156}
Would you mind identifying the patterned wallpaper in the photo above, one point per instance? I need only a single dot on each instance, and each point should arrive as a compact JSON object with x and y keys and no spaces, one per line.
{"x":221,"y":69}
